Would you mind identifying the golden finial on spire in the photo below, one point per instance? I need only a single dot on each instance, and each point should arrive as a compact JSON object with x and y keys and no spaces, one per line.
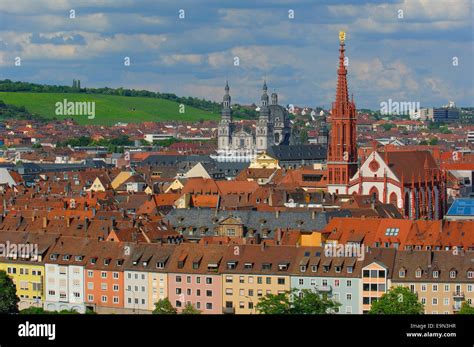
{"x":342,"y":36}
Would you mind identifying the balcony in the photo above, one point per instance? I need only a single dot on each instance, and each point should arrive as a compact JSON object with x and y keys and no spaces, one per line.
{"x":456,"y":308}
{"x":228,"y":310}
{"x":458,"y":295}
{"x":325,"y":289}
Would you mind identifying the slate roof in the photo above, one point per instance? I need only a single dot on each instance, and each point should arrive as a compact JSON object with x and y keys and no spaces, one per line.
{"x":184,"y":220}
{"x":165,"y":160}
{"x":429,"y":261}
{"x":298,"y":152}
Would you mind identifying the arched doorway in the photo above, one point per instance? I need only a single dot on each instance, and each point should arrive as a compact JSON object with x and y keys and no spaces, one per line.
{"x":374,"y":193}
{"x":393,"y":199}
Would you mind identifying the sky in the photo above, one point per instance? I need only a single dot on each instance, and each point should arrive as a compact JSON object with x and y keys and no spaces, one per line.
{"x":427,"y":56}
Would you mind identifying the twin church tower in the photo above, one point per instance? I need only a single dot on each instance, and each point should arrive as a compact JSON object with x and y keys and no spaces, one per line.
{"x":238,"y":143}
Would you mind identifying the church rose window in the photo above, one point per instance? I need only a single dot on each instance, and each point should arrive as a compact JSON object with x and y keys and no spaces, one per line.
{"x":374,"y":165}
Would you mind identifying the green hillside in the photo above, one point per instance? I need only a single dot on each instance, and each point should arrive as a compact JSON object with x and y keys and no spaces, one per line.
{"x":109,"y":109}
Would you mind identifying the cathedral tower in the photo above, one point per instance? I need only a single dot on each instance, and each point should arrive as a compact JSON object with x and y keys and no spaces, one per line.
{"x":225,"y":125}
{"x":263,"y":135}
{"x":342,"y":154}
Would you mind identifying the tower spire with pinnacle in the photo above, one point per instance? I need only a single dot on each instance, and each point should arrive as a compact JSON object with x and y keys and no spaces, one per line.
{"x":342,"y":151}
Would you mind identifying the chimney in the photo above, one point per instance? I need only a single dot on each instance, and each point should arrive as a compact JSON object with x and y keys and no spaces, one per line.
{"x":86,"y":223}
{"x":313,"y":214}
{"x":277,"y":214}
{"x":68,"y":222}
{"x":45,"y":222}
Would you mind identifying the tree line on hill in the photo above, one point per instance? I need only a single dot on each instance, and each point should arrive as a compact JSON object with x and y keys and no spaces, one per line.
{"x":202,"y":104}
{"x":17,"y":112}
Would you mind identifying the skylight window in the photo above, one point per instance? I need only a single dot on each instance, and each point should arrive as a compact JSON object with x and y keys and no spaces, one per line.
{"x":392,"y":231}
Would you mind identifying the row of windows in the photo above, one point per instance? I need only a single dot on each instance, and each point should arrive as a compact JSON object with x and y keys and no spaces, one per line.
{"x":326,"y":268}
{"x":34,"y":297}
{"x":34,"y":286}
{"x":189,"y":279}
{"x":63,"y":295}
{"x":446,"y":301}
{"x":103,"y":299}
{"x":268,"y":280}
{"x":373,"y":273}
{"x":250,"y":292}
{"x":23,"y":271}
{"x":447,"y":288}
{"x":103,"y":274}
{"x":374,"y":287}
{"x":103,"y":286}
{"x":197,"y":305}
{"x":337,"y":283}
{"x":189,"y":291}
{"x":418,"y":273}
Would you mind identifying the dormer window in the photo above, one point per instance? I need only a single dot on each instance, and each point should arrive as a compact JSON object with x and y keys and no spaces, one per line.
{"x":66,"y":257}
{"x":248,"y":266}
{"x":418,"y":273}
{"x":266,"y":266}
{"x":160,"y":265}
{"x":119,"y":262}
{"x":303,"y":268}
{"x":106,"y":262}
{"x":53,"y":256}
{"x":350,"y":269}
{"x":435,"y":274}
{"x":79,"y":258}
{"x":145,"y":264}
{"x":337,"y":269}
{"x":212,"y":267}
{"x":402,"y":273}
{"x":283,"y":266}
{"x":452,"y":274}
{"x":325,"y":268}
{"x":314,"y":268}
{"x":231,"y":265}
{"x":470,"y":274}
{"x":93,"y":261}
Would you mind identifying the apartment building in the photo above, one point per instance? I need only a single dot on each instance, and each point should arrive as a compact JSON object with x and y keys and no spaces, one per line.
{"x":23,"y":262}
{"x":64,"y":274}
{"x":250,"y":272}
{"x":194,"y":277}
{"x":145,"y":276}
{"x":104,"y":276}
{"x":442,"y":280}
{"x":337,"y":277}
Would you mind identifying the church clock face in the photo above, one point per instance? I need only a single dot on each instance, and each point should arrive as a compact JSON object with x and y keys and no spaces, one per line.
{"x":374,"y":165}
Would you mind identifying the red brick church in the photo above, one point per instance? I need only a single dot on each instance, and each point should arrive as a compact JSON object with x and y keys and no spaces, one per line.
{"x":410,"y":179}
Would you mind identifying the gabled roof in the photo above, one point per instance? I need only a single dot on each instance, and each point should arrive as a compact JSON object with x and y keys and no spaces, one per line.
{"x":409,"y":164}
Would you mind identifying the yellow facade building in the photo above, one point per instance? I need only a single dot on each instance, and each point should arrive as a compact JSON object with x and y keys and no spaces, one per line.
{"x":21,"y":257}
{"x":28,"y":279}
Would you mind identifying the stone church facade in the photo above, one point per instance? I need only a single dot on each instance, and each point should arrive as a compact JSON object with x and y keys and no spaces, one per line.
{"x":236,"y":143}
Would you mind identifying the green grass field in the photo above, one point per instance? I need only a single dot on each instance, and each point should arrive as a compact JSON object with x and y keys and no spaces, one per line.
{"x":109,"y":109}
